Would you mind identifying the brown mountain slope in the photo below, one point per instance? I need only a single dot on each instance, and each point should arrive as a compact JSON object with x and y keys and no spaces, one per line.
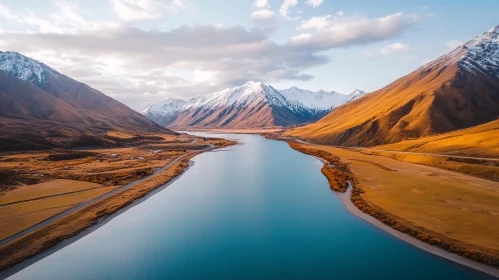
{"x":52,"y":110}
{"x":458,"y":90}
{"x":259,"y":115}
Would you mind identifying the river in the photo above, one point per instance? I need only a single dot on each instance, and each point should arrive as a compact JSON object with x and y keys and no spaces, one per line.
{"x":258,"y":210}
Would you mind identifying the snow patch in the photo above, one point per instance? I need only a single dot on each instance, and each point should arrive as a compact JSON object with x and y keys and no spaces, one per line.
{"x":24,"y":68}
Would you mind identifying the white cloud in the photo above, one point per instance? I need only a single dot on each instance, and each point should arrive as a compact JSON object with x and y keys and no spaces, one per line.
{"x":301,"y":37}
{"x":318,"y":23}
{"x":263,"y":14}
{"x":130,"y":64}
{"x":5,"y":12}
{"x":261,"y":4}
{"x":451,"y":45}
{"x":65,"y":19}
{"x":130,"y":10}
{"x":286,"y":5}
{"x":205,"y":76}
{"x":133,"y":64}
{"x":314,"y":3}
{"x":336,"y":32}
{"x":393,"y":48}
{"x":340,"y":13}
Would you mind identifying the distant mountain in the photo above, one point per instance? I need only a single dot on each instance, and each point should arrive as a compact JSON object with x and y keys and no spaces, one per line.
{"x":42,"y":108}
{"x":253,"y":105}
{"x":456,"y":91}
{"x":356,"y":94}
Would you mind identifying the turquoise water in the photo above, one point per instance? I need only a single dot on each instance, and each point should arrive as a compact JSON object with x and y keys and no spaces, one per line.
{"x":258,"y":211}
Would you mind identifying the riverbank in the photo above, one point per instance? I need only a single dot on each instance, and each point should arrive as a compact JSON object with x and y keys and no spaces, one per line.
{"x":48,"y":235}
{"x":439,"y":244}
{"x":346,"y":197}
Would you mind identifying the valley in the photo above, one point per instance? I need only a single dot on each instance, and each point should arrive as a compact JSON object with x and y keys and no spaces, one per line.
{"x":199,"y":154}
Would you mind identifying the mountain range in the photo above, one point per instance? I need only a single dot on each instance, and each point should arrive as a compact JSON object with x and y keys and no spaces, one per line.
{"x":42,"y":108}
{"x":456,"y":91}
{"x":252,"y":105}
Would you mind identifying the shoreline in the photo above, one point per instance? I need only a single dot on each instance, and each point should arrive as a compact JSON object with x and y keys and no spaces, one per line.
{"x":103,"y":221}
{"x":345,"y":198}
{"x":347,"y":201}
{"x":89,"y":224}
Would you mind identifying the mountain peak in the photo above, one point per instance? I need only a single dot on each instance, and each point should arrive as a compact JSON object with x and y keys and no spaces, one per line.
{"x":252,"y":83}
{"x":357,"y":93}
{"x":481,"y":54}
{"x":23,"y":67}
{"x":494,"y":30}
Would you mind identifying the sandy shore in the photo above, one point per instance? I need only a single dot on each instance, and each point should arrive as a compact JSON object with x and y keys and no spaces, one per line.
{"x":345,"y":199}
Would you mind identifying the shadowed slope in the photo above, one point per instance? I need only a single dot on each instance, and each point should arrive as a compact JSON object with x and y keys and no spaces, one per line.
{"x":41,"y":108}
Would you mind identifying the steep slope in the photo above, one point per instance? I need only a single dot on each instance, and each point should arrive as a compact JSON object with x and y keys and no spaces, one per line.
{"x":253,"y":105}
{"x":477,"y":141}
{"x":43,"y":108}
{"x":458,"y":90}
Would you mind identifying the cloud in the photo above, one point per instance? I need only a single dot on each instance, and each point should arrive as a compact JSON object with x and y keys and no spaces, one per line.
{"x":131,"y":10}
{"x":133,"y":64}
{"x":340,"y":13}
{"x":124,"y":61}
{"x":314,"y":3}
{"x":345,"y":31}
{"x":286,"y":5}
{"x":65,"y":19}
{"x":6,"y":13}
{"x":261,"y":4}
{"x":318,"y":23}
{"x":393,"y":48}
{"x":451,"y":45}
{"x":263,"y":14}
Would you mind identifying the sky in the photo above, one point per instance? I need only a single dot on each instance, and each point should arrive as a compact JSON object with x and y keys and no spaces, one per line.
{"x":143,"y":51}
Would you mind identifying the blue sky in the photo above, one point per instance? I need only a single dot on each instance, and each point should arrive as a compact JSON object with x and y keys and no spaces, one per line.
{"x":147,"y":50}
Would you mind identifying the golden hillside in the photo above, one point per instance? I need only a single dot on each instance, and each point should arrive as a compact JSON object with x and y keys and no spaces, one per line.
{"x":478,"y":141}
{"x":456,"y":91}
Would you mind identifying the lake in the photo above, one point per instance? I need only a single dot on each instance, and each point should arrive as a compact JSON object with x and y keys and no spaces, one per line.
{"x":258,"y":210}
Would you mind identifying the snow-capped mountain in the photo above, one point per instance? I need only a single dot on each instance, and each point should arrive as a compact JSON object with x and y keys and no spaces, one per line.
{"x":42,"y":108}
{"x":480,"y":55}
{"x":458,"y":90}
{"x":251,"y":105}
{"x":318,"y":100}
{"x":24,"y":68}
{"x":356,"y":94}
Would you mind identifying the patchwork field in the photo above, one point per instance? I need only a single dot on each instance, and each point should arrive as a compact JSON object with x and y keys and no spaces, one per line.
{"x":30,"y":205}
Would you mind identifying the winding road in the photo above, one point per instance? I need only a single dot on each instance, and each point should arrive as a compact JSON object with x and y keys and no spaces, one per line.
{"x":94,"y":200}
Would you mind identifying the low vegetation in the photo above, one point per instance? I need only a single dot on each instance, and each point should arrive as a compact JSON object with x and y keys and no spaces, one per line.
{"x":440,"y":215}
{"x":335,"y":171}
{"x":41,"y":184}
